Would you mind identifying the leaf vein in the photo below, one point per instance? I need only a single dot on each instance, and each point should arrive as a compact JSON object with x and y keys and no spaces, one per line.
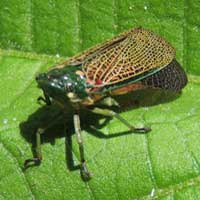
{"x":20,"y":171}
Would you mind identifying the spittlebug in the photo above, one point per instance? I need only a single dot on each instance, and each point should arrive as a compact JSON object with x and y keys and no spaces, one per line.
{"x":136,"y":59}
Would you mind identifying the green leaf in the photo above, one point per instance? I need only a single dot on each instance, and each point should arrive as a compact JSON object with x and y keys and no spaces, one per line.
{"x":165,"y":164}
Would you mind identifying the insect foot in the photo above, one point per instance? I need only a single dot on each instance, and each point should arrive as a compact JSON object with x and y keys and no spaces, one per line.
{"x":141,"y":130}
{"x":85,"y":174}
{"x":31,"y":162}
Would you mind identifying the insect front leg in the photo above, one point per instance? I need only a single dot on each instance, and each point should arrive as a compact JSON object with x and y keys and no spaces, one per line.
{"x":110,"y":113}
{"x":38,"y":158}
{"x":84,"y":171}
{"x":45,"y":99}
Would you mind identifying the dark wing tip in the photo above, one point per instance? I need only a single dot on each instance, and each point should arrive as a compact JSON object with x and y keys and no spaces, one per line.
{"x":172,"y":77}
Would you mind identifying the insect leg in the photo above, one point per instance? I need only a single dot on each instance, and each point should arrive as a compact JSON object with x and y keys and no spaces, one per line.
{"x":45,"y":99}
{"x":111,"y":113}
{"x":84,"y":171}
{"x":37,"y":147}
{"x":109,"y":101}
{"x":38,"y":158}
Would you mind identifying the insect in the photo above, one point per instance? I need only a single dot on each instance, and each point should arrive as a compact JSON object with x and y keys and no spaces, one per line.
{"x":134,"y":60}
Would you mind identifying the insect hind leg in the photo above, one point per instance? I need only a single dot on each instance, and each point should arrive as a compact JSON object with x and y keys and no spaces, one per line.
{"x":110,"y":113}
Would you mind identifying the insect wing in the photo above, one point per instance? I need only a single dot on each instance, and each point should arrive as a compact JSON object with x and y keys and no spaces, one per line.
{"x":97,"y":49}
{"x":138,"y":52}
{"x":172,"y":78}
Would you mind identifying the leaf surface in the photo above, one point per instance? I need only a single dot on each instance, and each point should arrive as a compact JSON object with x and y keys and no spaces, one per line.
{"x":165,"y":164}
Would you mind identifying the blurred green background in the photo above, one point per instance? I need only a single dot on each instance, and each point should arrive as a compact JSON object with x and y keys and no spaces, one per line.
{"x":165,"y":164}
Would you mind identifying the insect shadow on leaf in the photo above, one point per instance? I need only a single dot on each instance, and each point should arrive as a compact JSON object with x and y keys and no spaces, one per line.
{"x":58,"y":124}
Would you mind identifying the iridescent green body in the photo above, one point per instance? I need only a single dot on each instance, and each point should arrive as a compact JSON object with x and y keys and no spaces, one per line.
{"x":57,"y":82}
{"x":60,"y":83}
